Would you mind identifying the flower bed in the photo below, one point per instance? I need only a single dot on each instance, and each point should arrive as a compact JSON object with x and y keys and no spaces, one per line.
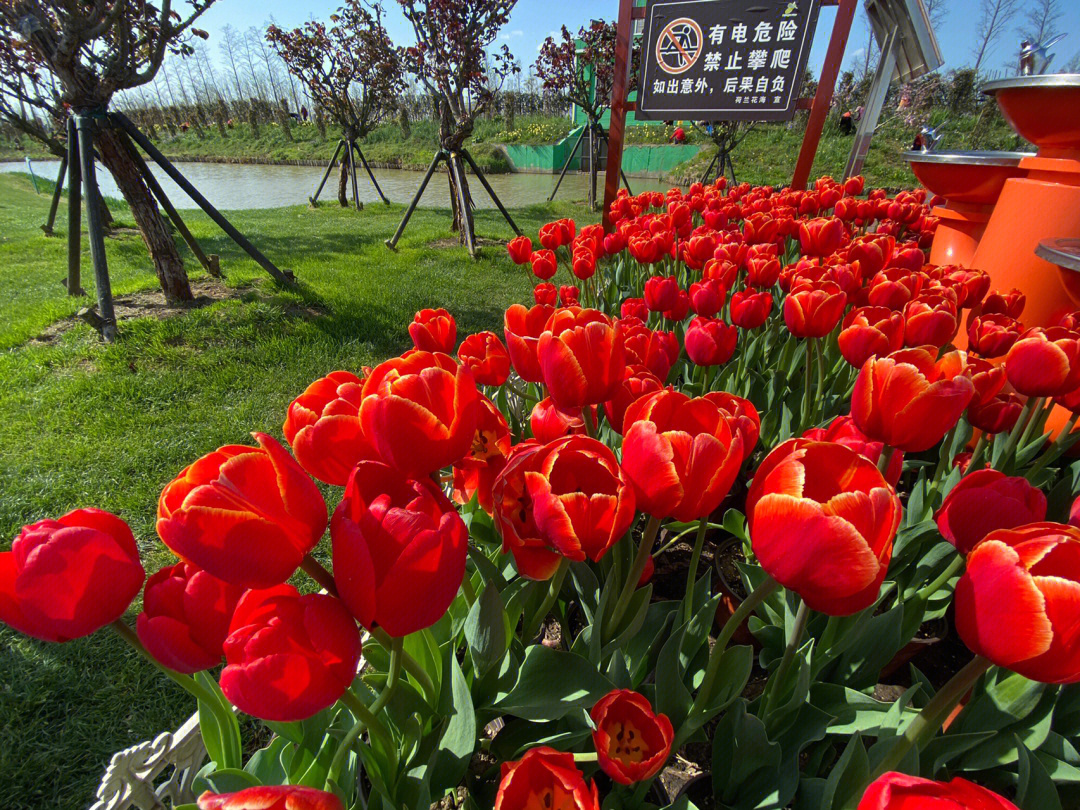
{"x":754,"y":383}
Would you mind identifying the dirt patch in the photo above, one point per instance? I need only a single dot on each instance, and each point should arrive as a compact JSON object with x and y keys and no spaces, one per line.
{"x":147,"y":304}
{"x":453,"y":242}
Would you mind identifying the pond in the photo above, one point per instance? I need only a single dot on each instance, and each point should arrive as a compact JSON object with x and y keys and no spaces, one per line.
{"x":248,"y":185}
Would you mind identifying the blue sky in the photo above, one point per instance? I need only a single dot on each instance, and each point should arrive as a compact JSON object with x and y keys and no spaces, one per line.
{"x":532,"y":21}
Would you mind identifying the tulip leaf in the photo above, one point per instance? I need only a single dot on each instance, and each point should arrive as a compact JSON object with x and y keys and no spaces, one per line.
{"x":212,"y":734}
{"x":745,"y":764}
{"x":845,"y":783}
{"x":942,"y":751}
{"x":587,"y":588}
{"x":632,"y":621}
{"x":672,"y":696}
{"x":227,"y":780}
{"x":265,"y":764}
{"x":518,"y":736}
{"x":487,"y":630}
{"x":553,"y":683}
{"x":643,"y":650}
{"x":999,"y":750}
{"x":1034,"y":789}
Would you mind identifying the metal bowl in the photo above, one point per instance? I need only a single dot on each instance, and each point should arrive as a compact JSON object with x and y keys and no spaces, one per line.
{"x":1044,"y":109}
{"x":974,"y":178}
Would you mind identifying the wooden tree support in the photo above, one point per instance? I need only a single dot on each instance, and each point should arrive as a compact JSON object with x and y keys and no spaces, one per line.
{"x":57,"y":191}
{"x":349,"y":147}
{"x":79,"y":166}
{"x":463,"y":202}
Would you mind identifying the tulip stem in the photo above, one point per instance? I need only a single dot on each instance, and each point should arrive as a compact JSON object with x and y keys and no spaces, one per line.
{"x":949,"y":572}
{"x":885,"y":459}
{"x":1063,"y":442}
{"x":590,"y":421}
{"x":358,"y":727}
{"x":554,"y":589}
{"x":410,"y":664}
{"x":203,"y":695}
{"x":1036,"y":419}
{"x":1018,"y":428}
{"x":467,"y":589}
{"x":976,"y":454}
{"x":364,"y":715}
{"x":807,"y":418}
{"x":315,"y":569}
{"x":644,"y":551}
{"x":712,"y":669}
{"x":798,"y":627}
{"x":927,"y":722}
{"x":691,"y":573}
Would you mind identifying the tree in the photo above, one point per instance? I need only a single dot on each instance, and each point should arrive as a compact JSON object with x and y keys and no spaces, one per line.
{"x":1041,"y":18}
{"x":451,"y":60}
{"x":351,"y":69}
{"x":994,"y":19}
{"x":937,"y":10}
{"x":91,"y":51}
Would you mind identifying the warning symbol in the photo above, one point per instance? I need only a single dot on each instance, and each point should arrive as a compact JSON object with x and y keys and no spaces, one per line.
{"x":679,"y":45}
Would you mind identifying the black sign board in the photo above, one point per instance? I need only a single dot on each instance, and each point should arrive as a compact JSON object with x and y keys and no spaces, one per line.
{"x":724,"y":60}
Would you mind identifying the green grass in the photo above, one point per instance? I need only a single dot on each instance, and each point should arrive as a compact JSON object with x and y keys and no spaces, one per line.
{"x":83,"y":423}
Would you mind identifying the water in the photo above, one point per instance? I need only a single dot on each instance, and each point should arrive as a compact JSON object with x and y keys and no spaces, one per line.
{"x":249,"y":185}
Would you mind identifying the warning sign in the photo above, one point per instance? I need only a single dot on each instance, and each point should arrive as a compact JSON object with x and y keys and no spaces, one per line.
{"x":724,"y":60}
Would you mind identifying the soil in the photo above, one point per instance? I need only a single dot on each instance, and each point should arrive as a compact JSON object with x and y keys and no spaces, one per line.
{"x":152,"y":304}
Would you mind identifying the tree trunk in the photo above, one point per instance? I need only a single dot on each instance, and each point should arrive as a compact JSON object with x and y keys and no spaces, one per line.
{"x":343,"y":182}
{"x":159,"y":241}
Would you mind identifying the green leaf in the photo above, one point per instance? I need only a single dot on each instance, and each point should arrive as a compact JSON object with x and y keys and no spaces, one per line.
{"x":845,"y":783}
{"x":736,"y":664}
{"x":265,"y":764}
{"x":212,"y":734}
{"x":745,"y":764}
{"x":672,"y":696}
{"x":943,"y":751}
{"x":552,"y":683}
{"x":632,"y":621}
{"x":458,"y":741}
{"x":1034,"y":789}
{"x":487,"y":630}
{"x":229,"y":780}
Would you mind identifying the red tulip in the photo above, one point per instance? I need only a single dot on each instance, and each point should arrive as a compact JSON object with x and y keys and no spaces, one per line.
{"x":749,"y":310}
{"x":486,"y":357}
{"x":66,"y":578}
{"x":997,"y":415}
{"x":928,"y":323}
{"x":553,"y":235}
{"x":898,"y":791}
{"x":185,"y":618}
{"x":661,"y":293}
{"x":289,"y":656}
{"x":723,"y":271}
{"x":853,"y":186}
{"x":614,"y":242}
{"x":632,"y":742}
{"x":323,"y":427}
{"x":1045,"y":362}
{"x":394,"y":538}
{"x":682,"y":306}
{"x":814,"y":312}
{"x":843,"y":430}
{"x":544,"y":264}
{"x":433,"y":330}
{"x":707,"y":297}
{"x":638,"y":381}
{"x":993,"y":335}
{"x":569,"y":296}
{"x":475,"y":474}
{"x":907,"y":401}
{"x":272,"y":797}
{"x":545,"y":293}
{"x":742,"y":416}
{"x":1000,"y":303}
{"x":247,"y":515}
{"x":870,"y":332}
{"x":520,"y":249}
{"x":894,"y":287}
{"x":987,"y":378}
{"x":523,"y":328}
{"x":681,"y":454}
{"x":583,"y":264}
{"x":822,"y":521}
{"x":549,"y":422}
{"x":762,"y":271}
{"x":1018,"y":602}
{"x":545,"y":779}
{"x":872,"y":252}
{"x":419,"y":412}
{"x":581,"y":356}
{"x":634,"y":308}
{"x":984,"y":501}
{"x":820,"y":237}
{"x":568,"y":498}
{"x":710,"y":341}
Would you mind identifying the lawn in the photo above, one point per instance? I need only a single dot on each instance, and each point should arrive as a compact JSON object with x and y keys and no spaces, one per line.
{"x":83,"y":423}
